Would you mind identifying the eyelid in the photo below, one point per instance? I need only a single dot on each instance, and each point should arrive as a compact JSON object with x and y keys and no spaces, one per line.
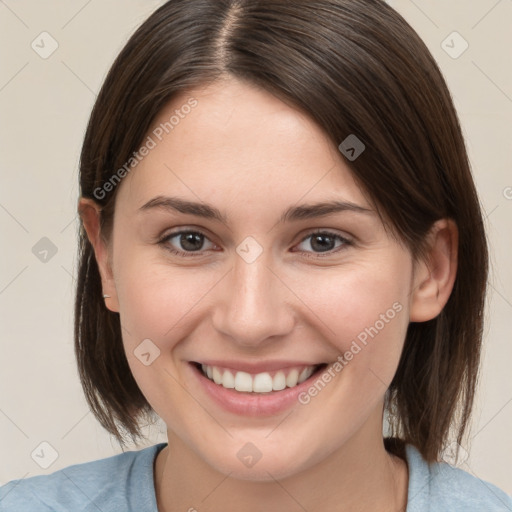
{"x":327,"y":231}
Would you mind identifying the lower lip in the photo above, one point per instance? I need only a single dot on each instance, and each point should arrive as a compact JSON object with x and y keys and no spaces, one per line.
{"x":253,"y":404}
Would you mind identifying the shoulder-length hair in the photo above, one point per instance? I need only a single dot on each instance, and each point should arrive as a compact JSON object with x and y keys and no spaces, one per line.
{"x":355,"y":68}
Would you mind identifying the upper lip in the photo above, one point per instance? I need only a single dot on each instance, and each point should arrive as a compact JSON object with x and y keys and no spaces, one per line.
{"x":257,"y":367}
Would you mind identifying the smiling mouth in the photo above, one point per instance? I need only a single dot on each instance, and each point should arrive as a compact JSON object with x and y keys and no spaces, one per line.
{"x":264,"y":382}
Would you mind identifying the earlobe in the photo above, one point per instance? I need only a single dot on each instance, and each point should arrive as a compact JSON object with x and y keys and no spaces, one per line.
{"x":435,"y":276}
{"x":89,"y":212}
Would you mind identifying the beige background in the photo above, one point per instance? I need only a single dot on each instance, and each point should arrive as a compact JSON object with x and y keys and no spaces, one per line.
{"x":45,"y":104}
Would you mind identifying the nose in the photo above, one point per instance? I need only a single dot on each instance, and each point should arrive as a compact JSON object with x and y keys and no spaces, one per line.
{"x":254,"y":305}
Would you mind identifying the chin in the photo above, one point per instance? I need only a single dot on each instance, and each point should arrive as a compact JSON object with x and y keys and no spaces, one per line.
{"x":266,"y":464}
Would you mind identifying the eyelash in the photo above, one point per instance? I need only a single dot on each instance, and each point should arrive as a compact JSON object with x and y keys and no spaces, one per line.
{"x":307,"y":254}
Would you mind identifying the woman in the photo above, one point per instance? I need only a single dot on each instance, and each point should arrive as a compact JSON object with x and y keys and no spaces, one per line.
{"x":282,"y":254}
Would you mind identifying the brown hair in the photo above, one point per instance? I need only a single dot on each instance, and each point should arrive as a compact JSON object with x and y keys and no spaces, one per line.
{"x":355,"y":68}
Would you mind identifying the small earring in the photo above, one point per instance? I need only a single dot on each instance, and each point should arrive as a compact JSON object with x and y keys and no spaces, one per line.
{"x":106,"y":296}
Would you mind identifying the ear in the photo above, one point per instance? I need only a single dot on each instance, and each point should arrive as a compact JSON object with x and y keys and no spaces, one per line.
{"x":435,"y":275}
{"x":89,"y":212}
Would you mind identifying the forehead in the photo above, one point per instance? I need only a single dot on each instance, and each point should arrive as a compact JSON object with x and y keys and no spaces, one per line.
{"x":234,"y":143}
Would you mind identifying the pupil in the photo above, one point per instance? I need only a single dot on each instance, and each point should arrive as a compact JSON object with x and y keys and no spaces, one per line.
{"x":191,"y":241}
{"x":325,"y":242}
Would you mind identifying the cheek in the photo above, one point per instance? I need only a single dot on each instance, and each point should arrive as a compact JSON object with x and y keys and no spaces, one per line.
{"x":157,"y":306}
{"x":364,"y":317}
{"x":155,"y":298}
{"x":349,"y":301}
{"x":362,"y":311}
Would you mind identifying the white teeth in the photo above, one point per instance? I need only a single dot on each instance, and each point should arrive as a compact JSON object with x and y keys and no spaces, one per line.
{"x":305,"y":374}
{"x":259,"y":383}
{"x":292,"y":378}
{"x":262,"y":383}
{"x":279,"y":381}
{"x":243,"y":381}
{"x":228,"y":381}
{"x":217,"y":376}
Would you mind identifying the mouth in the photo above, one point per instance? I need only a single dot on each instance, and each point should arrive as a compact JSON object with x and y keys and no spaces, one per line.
{"x":267,"y":382}
{"x":254,"y":390}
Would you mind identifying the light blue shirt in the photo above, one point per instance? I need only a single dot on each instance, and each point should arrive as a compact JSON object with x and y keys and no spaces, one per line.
{"x":125,"y":483}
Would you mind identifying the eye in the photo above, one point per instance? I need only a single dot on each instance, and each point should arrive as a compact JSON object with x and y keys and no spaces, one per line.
{"x":324,"y":242}
{"x":188,"y":242}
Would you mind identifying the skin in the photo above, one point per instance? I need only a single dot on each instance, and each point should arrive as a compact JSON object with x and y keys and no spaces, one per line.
{"x":252,"y":156}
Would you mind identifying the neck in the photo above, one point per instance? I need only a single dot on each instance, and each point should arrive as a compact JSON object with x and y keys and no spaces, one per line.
{"x":359,"y":476}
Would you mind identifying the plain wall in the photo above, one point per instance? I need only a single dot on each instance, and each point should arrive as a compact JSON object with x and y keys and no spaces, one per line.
{"x":45,"y":105}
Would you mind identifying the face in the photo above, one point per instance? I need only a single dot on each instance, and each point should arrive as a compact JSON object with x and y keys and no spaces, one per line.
{"x":261,"y":295}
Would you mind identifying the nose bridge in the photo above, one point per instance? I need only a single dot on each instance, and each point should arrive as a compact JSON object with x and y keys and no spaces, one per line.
{"x":254,"y":307}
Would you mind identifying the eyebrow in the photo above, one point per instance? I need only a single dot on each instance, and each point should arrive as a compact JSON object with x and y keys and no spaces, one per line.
{"x":294,"y":213}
